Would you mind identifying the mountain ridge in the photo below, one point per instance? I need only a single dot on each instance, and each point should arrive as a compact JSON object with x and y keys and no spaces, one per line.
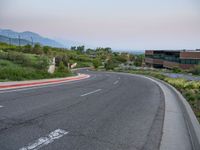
{"x":29,"y":36}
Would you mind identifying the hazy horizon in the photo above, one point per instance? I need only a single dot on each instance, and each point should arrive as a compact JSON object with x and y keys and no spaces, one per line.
{"x":128,"y":24}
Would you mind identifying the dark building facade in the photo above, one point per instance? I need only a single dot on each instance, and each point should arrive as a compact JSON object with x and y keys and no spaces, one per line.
{"x":172,"y":59}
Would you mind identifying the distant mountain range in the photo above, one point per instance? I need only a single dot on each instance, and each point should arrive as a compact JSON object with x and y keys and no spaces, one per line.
{"x":13,"y":41}
{"x":10,"y":36}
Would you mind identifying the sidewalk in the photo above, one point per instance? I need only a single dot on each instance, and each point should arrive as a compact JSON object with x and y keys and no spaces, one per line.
{"x":31,"y":83}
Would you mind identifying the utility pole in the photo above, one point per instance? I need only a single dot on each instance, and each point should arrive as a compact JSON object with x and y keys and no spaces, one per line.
{"x":31,"y":40}
{"x":9,"y":40}
{"x":19,"y":40}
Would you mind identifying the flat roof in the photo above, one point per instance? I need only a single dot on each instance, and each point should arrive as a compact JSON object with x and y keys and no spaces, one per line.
{"x":175,"y":50}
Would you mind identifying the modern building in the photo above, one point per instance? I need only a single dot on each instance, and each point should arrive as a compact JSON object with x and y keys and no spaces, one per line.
{"x":172,"y":58}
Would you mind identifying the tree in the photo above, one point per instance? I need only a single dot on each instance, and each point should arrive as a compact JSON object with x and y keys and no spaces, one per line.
{"x":46,"y":49}
{"x":80,"y":49}
{"x":62,"y":58}
{"x":131,"y":57}
{"x":90,"y":52}
{"x":73,"y":48}
{"x":110,"y":65}
{"x":96,"y":63}
{"x":37,"y":49}
{"x":108,"y":50}
{"x":122,"y":58}
{"x":58,"y":60}
{"x":139,"y":60}
{"x":65,"y":60}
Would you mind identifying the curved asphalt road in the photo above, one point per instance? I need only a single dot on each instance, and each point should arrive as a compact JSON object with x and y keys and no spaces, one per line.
{"x":107,"y":111}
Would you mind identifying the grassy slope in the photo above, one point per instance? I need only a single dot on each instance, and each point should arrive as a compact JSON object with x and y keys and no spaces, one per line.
{"x":10,"y":71}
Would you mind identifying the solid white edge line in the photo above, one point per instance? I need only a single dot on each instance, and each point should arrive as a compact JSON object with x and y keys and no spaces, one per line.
{"x":91,"y":92}
{"x":58,"y":133}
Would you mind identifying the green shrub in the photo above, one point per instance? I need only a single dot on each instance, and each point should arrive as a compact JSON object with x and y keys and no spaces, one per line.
{"x":96,"y":63}
{"x":61,"y":67}
{"x":110,"y":65}
{"x":37,"y":49}
{"x":196,"y":70}
{"x":42,"y":63}
{"x":176,"y":70}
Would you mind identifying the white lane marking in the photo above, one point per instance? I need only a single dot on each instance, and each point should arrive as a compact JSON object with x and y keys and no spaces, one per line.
{"x":91,"y":92}
{"x":58,"y":133}
{"x":119,"y":78}
{"x":1,"y":106}
{"x":43,"y":86}
{"x":116,"y":82}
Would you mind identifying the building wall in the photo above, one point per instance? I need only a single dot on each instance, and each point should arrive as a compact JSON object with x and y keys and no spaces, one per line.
{"x":153,"y":61}
{"x":168,"y":64}
{"x":149,"y":52}
{"x":186,"y":66}
{"x":190,"y":55}
{"x":149,"y":60}
{"x":187,"y":59}
{"x":158,"y":61}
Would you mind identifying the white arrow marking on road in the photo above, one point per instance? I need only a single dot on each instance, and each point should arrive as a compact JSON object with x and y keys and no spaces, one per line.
{"x":91,"y":92}
{"x":58,"y":133}
{"x":116,"y":82}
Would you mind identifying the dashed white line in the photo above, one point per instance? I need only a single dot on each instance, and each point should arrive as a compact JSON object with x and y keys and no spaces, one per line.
{"x":58,"y":133}
{"x":1,"y":106}
{"x":91,"y":92}
{"x":116,"y":82}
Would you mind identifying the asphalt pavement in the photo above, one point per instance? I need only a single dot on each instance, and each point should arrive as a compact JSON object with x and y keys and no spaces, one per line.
{"x":104,"y":112}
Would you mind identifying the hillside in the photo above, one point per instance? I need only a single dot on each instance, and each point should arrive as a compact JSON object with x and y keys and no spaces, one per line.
{"x":13,"y":41}
{"x":26,"y":38}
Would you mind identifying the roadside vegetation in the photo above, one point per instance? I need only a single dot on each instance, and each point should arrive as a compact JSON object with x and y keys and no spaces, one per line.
{"x":32,"y":61}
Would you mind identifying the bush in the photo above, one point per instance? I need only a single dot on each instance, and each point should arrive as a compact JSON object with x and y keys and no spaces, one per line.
{"x":110,"y":65}
{"x":13,"y":72}
{"x":196,"y":70}
{"x":189,"y":95}
{"x":178,"y":83}
{"x":61,"y":67}
{"x":176,"y":70}
{"x":27,"y":48}
{"x":96,"y":63}
{"x":37,"y":49}
{"x":42,"y":63}
{"x":3,"y":55}
{"x":62,"y":58}
{"x":18,"y":58}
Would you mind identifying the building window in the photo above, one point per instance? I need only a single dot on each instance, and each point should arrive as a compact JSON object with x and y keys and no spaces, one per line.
{"x":190,"y":61}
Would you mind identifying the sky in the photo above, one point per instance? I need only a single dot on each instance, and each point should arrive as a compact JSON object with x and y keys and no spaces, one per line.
{"x":119,"y":24}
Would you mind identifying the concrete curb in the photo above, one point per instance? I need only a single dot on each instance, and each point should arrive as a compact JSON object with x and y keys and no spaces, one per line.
{"x":189,"y":116}
{"x":24,"y":84}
